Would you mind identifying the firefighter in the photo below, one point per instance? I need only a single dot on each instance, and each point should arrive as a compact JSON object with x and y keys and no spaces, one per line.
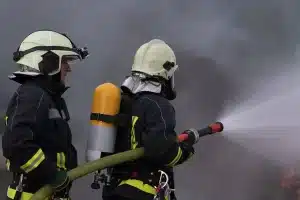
{"x":150,"y":88}
{"x":37,"y":141}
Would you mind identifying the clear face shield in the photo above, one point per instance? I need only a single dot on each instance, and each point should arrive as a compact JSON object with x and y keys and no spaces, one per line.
{"x":67,"y":61}
{"x":66,"y":64}
{"x":70,"y":59}
{"x":172,"y":82}
{"x":170,"y":90}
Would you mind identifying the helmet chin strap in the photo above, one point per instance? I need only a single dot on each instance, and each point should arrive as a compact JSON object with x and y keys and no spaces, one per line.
{"x":56,"y":77}
{"x":168,"y":92}
{"x":56,"y":85}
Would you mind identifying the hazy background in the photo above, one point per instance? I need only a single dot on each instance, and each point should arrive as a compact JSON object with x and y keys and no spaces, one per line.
{"x":228,"y":52}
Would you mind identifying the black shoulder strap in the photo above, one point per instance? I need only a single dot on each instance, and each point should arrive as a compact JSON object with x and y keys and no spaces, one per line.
{"x":121,"y":119}
{"x":64,"y":108}
{"x":61,"y":106}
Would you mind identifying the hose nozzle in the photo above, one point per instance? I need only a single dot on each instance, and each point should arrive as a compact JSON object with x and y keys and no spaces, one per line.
{"x":216,"y":127}
{"x":213,"y":128}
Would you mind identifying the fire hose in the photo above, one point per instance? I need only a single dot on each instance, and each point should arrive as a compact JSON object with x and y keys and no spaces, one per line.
{"x":115,"y":159}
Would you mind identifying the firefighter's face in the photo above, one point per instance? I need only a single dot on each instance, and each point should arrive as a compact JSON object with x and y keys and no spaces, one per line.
{"x":65,"y":69}
{"x":66,"y":63}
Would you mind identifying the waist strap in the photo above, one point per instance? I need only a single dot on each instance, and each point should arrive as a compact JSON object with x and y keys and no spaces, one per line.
{"x":145,"y":181}
{"x":139,"y":185}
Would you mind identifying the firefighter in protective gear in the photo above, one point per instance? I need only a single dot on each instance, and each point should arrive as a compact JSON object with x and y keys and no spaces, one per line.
{"x":150,"y":88}
{"x":37,"y":141}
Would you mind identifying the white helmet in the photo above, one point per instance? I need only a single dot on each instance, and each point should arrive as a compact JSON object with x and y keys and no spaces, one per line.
{"x":155,"y":58}
{"x":42,"y":52}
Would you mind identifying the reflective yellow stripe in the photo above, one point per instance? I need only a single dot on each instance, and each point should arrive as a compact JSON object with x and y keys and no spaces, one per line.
{"x":11,"y":193}
{"x":34,"y":162}
{"x":7,"y":163}
{"x":139,"y":185}
{"x":176,"y":159}
{"x":5,"y":119}
{"x":134,"y":143}
{"x":61,"y":160}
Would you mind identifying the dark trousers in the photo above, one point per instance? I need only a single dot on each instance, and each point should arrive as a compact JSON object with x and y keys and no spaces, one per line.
{"x":30,"y":187}
{"x":116,"y":198}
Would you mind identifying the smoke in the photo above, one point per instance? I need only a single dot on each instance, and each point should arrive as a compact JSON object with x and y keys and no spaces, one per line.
{"x":224,"y":50}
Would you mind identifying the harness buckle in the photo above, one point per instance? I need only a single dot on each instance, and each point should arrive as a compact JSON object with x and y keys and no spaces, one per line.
{"x":19,"y":187}
{"x":163,"y":189}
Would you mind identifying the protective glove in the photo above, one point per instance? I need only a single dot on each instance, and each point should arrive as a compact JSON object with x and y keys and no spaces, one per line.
{"x":187,"y":151}
{"x":187,"y":145}
{"x":60,"y":181}
{"x":193,"y":136}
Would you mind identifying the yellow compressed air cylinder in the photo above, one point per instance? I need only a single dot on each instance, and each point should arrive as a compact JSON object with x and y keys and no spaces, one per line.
{"x":102,"y":134}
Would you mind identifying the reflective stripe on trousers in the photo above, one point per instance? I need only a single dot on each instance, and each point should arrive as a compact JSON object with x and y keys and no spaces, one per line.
{"x":141,"y":186}
{"x":11,"y":193}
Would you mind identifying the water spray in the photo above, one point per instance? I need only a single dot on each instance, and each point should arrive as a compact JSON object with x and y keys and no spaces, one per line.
{"x":268,"y":123}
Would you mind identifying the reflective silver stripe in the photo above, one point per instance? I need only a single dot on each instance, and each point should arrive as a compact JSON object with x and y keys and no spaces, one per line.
{"x":53,"y":113}
{"x":63,"y":114}
{"x":34,"y":161}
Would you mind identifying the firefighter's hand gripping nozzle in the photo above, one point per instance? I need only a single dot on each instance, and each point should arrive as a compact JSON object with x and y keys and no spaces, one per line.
{"x":102,"y":135}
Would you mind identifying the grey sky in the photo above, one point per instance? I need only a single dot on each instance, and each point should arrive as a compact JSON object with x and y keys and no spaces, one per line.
{"x":227,"y":52}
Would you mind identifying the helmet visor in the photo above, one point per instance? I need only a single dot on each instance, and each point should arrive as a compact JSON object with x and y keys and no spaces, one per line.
{"x":172,"y":82}
{"x":70,"y":59}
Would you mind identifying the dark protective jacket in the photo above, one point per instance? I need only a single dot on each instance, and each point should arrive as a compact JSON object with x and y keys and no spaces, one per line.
{"x":153,"y":123}
{"x":37,"y":140}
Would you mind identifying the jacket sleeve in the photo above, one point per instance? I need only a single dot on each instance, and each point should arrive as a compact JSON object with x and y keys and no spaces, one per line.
{"x":160,"y":140}
{"x":29,"y":111}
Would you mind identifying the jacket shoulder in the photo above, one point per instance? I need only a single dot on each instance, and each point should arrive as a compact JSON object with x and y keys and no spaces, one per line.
{"x":30,"y":92}
{"x":153,"y":103}
{"x":150,"y":98}
{"x":32,"y":89}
